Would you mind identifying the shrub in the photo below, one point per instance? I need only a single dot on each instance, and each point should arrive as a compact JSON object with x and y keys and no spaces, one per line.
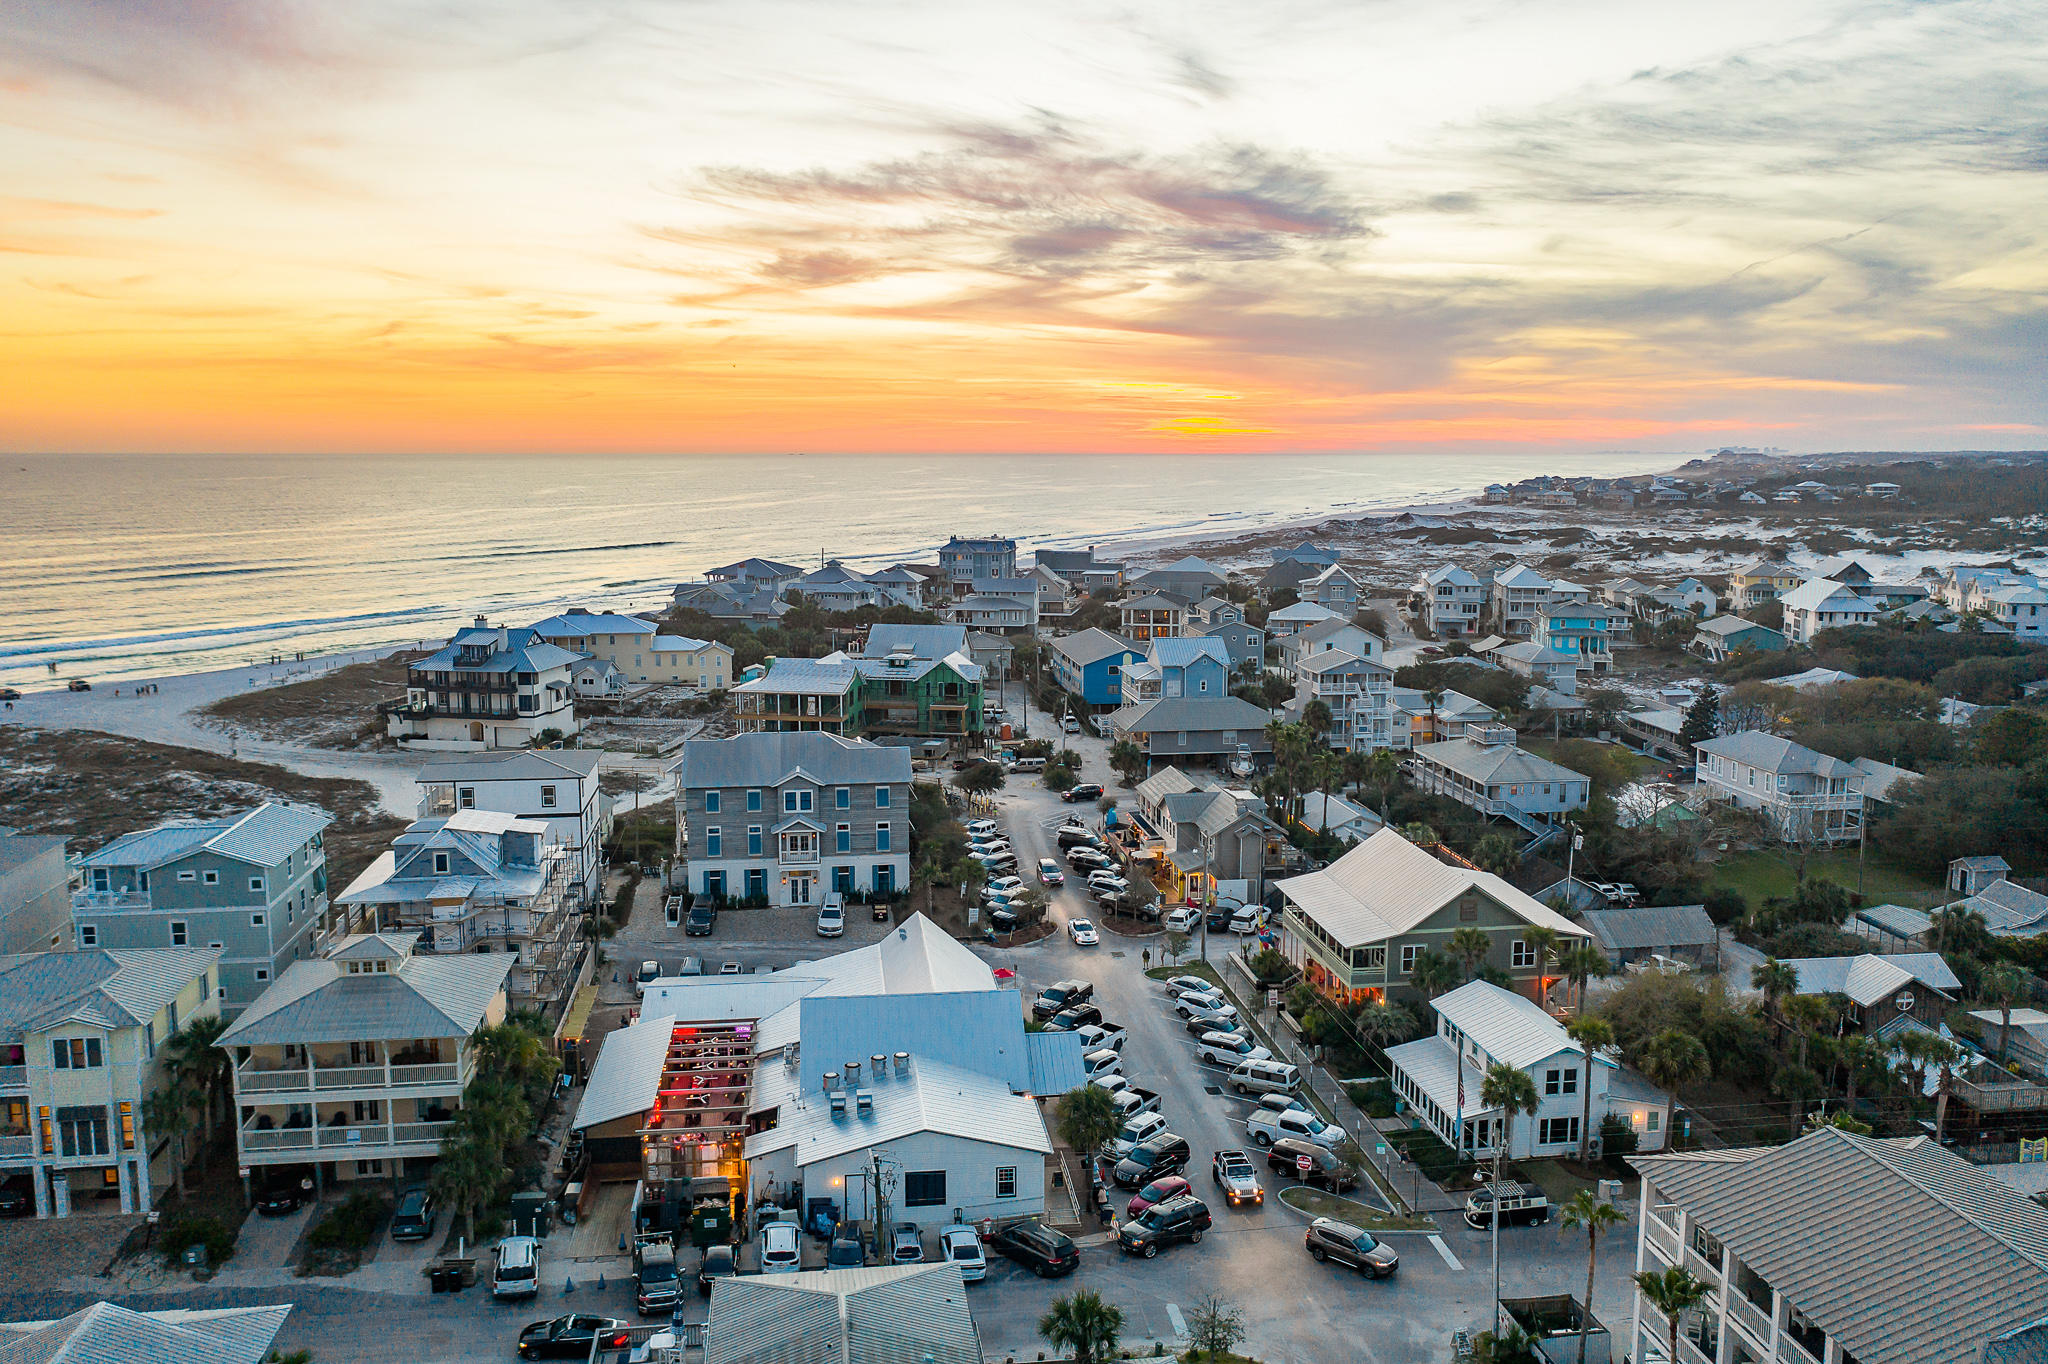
{"x":211,"y":1232}
{"x":1725,"y":904}
{"x":1617,"y":1138}
{"x":349,"y":1226}
{"x":1374,"y":1098}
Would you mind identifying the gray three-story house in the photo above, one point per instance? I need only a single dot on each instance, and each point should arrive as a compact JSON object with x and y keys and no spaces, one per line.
{"x":252,"y":885}
{"x":791,"y":816}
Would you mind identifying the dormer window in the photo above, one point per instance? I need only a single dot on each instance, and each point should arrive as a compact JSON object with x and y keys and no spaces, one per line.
{"x":440,"y":864}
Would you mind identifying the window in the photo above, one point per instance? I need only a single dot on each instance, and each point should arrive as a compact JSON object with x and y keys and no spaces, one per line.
{"x":1006,"y":1181}
{"x":82,"y":1131}
{"x":753,"y":840}
{"x":1409,"y":952}
{"x":881,"y":838}
{"x":753,"y":802}
{"x":127,"y":1126}
{"x":75,"y":1053}
{"x":255,"y":885}
{"x":711,"y":802}
{"x":182,"y":876}
{"x":1561,"y":1081}
{"x":369,"y":1167}
{"x":440,"y":864}
{"x":714,"y":884}
{"x":465,"y":796}
{"x":178,"y":935}
{"x":881,"y":797}
{"x":1522,"y":954}
{"x":1554,"y":1131}
{"x":757,"y":881}
{"x":1656,"y":1115}
{"x":796,"y":802}
{"x":924,"y":1188}
{"x":547,"y":797}
{"x":844,"y":832}
{"x":205,"y":986}
{"x":263,"y":973}
{"x":711,"y":841}
{"x":209,"y":878}
{"x":257,"y":920}
{"x":842,"y":798}
{"x":88,"y":936}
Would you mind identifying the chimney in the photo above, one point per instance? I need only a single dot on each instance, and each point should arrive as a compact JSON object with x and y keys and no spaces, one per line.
{"x":504,"y":639}
{"x":481,"y":623}
{"x":852,"y":1074}
{"x":902,"y":1063}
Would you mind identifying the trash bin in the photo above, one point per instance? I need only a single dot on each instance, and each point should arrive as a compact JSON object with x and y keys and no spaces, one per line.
{"x":437,"y":1280}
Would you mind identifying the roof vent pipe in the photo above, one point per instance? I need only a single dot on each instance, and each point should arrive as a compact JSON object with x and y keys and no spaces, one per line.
{"x":902,"y":1062}
{"x":831,"y":1080}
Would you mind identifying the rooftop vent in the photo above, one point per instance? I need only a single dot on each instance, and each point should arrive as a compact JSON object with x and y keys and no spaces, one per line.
{"x":838,"y":1104}
{"x":852,"y":1074}
{"x":865,"y":1103}
{"x":875,"y":1064}
{"x":831,"y":1080}
{"x":902,"y":1063}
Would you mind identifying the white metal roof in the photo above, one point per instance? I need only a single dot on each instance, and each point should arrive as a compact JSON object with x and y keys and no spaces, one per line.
{"x":1386,"y":886}
{"x":1513,"y":1029}
{"x":933,"y":1097}
{"x":627,"y":1076}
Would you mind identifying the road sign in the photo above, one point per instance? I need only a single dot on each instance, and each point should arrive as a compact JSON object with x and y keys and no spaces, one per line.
{"x":1304,"y":1164}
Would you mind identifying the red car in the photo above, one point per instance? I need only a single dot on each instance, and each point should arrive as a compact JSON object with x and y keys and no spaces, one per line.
{"x":1158,"y":1191}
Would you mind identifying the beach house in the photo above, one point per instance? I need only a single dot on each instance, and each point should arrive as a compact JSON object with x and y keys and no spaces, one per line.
{"x":1450,"y":600}
{"x":1762,"y":580}
{"x":1582,"y":631}
{"x":1517,"y":595}
{"x":35,"y":893}
{"x":1152,"y":615}
{"x":1090,"y":663}
{"x":1824,"y":604}
{"x":1358,"y":692}
{"x":1487,"y":770}
{"x":1334,"y":588}
{"x":1804,"y":795}
{"x":1722,"y":637}
{"x":491,"y":687}
{"x":557,"y":786}
{"x":962,"y":559}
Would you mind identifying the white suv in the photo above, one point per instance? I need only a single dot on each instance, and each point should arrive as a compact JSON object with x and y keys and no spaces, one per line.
{"x":1230,"y":1049}
{"x":1265,"y":1127}
{"x":960,"y":1245}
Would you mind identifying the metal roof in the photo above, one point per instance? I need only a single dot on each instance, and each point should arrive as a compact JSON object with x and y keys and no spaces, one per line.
{"x":1092,"y":646}
{"x":1167,"y":781}
{"x":1055,"y":1060}
{"x":105,"y":1333}
{"x":1431,"y":1063}
{"x":263,"y":837}
{"x":524,"y":651}
{"x":833,"y":673}
{"x":2010,"y":908}
{"x":1897,"y":920}
{"x":1901,"y":1251}
{"x":16,"y":849}
{"x":770,"y":759}
{"x":109,"y":987}
{"x":885,"y":1314}
{"x":1651,"y":927}
{"x":981,"y":1030}
{"x":1201,"y":713}
{"x":1179,"y":651}
{"x":1869,"y":978}
{"x":1732,"y":625}
{"x":1386,"y":886}
{"x":580,"y":624}
{"x":1489,"y":763}
{"x":513,"y":765}
{"x":1770,"y":753}
{"x":627,"y":1076}
{"x":925,"y":641}
{"x":933,"y":1097}
{"x":1512,"y":1029}
{"x":1817,"y":592}
{"x":1309,"y":611}
{"x":314,"y":1001}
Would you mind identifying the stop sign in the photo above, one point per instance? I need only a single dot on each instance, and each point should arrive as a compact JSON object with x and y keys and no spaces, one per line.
{"x":1304,"y":1164}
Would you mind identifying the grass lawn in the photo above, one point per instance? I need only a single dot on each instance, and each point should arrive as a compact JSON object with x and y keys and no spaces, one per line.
{"x":1316,"y":1203}
{"x":1193,"y":967}
{"x":1762,"y":874}
{"x":1559,"y":1180}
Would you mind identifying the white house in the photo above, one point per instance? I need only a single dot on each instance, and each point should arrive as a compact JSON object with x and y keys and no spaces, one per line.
{"x":557,"y":786}
{"x":1326,"y":636}
{"x":1359,"y":693}
{"x":1804,"y":794}
{"x":1824,"y":604}
{"x":1518,"y":594}
{"x":1291,"y":620}
{"x":489,"y":688}
{"x":1479,"y":1025}
{"x":1451,"y":600}
{"x":1347,"y":819}
{"x":1541,"y":664}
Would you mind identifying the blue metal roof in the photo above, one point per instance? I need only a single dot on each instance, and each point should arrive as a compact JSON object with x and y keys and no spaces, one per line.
{"x":1055,"y":1062}
{"x":975,"y":1030}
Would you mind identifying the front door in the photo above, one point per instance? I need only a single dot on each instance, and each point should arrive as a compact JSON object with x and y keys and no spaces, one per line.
{"x":800,"y":890}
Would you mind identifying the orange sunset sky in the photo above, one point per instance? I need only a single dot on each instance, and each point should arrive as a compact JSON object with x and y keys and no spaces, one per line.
{"x":255,"y":226}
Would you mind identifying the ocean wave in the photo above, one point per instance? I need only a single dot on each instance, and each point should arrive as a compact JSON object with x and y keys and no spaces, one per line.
{"x":543,"y":553}
{"x":222,"y":632}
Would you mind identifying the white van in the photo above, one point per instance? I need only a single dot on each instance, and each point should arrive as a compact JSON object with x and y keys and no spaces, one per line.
{"x":692,"y":966}
{"x":1029,"y":765}
{"x":1265,"y":1077}
{"x":518,"y":1269}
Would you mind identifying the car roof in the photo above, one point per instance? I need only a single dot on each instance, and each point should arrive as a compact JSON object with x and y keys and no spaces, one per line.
{"x":1341,"y":1228}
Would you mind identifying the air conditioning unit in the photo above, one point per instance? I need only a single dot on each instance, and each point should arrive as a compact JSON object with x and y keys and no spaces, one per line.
{"x":838,"y":1104}
{"x":864,"y":1103}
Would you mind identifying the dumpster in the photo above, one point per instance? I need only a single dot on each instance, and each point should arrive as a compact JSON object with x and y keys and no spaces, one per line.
{"x":711,"y":1223}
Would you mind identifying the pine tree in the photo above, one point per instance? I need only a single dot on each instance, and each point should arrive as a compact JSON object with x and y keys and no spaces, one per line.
{"x":1702,"y":720}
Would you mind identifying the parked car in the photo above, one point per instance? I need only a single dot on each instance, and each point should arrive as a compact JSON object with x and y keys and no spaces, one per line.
{"x":1072,"y":1017}
{"x":1266,"y":1127}
{"x":415,"y":1216}
{"x":1087,"y":790}
{"x":1083,"y":933}
{"x":1105,"y":879}
{"x":516,"y":1271}
{"x":9,"y":694}
{"x":1280,"y":1103}
{"x":1070,"y":724}
{"x":1062,"y":994}
{"x":1232,"y":1170}
{"x":982,"y":828}
{"x":571,"y":1337}
{"x":846,"y":1252}
{"x":1177,"y":1219}
{"x":1086,"y":857}
{"x":781,"y":1248}
{"x":1045,"y":1252}
{"x":1071,"y":836}
{"x":718,"y":1264}
{"x":1049,"y":872}
{"x":731,"y":968}
{"x":1313,"y":1165}
{"x":649,"y":972}
{"x":1329,"y":1239}
{"x":983,"y":847}
{"x":1003,"y":921}
{"x":275,"y":1200}
{"x":1182,"y":919}
{"x":1228,"y":1049}
{"x":1137,"y":1128}
{"x":1210,"y":1001}
{"x":1158,"y":1191}
{"x":1181,"y":985}
{"x":1521,"y":1205}
{"x":1102,"y":1036}
{"x":1101,"y":1061}
{"x":1202,"y":1023}
{"x":1007,"y":885}
{"x":702,"y":919}
{"x":832,"y":920}
{"x":960,"y":1244}
{"x":78,"y":684}
{"x":1162,"y":1153}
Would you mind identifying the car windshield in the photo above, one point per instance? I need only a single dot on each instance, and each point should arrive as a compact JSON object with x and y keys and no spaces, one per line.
{"x":1083,"y":926}
{"x":1313,"y":1125}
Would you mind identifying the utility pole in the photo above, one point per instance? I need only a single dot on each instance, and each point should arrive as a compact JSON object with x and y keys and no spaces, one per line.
{"x":1208,"y":893}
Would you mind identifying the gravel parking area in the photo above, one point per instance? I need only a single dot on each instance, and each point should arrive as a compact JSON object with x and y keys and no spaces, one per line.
{"x":38,"y":1256}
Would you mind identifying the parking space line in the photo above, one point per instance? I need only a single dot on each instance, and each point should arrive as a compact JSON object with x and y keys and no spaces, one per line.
{"x":1453,"y":1261}
{"x":1180,"y":1327}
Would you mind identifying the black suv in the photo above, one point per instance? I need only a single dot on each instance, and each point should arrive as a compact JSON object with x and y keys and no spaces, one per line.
{"x":1087,"y":790}
{"x":1072,"y":1017}
{"x":1329,"y":1239}
{"x":1177,"y":1219}
{"x":414,"y":1220}
{"x":1071,"y":836}
{"x":1045,"y":1252}
{"x":1160,"y":1154}
{"x":703,"y":918}
{"x":1321,"y":1170}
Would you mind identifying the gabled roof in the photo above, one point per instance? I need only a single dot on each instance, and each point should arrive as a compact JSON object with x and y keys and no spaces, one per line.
{"x":1092,"y":646}
{"x":1452,"y":574}
{"x":754,"y":568}
{"x":262,"y":837}
{"x":1898,"y":1249}
{"x":1521,"y":575}
{"x":1489,"y":763}
{"x":524,"y":651}
{"x":1167,"y":781}
{"x":1651,"y":927}
{"x":1870,"y":978}
{"x":1153,"y":601}
{"x":580,"y":624}
{"x":1309,"y":611}
{"x":1770,"y":567}
{"x":1176,"y":651}
{"x":104,"y":987}
{"x":1816,"y":592}
{"x":1203,"y":713}
{"x":683,"y":644}
{"x":769,"y":759}
{"x":2010,"y":909}
{"x":106,"y":1333}
{"x":1531,"y":654}
{"x":315,"y":1001}
{"x":627,"y":1075}
{"x":833,"y":673}
{"x":1387,"y":886}
{"x":1513,"y":1029}
{"x":522,"y":764}
{"x":886,"y":1314}
{"x":1332,"y":627}
{"x":925,"y":641}
{"x":1732,"y":625}
{"x":1771,"y":753}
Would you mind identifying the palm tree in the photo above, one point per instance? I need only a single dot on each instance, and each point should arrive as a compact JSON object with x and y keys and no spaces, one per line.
{"x":1673,"y":1059}
{"x":194,"y":1053}
{"x":1083,"y":1325}
{"x":1797,"y":1086}
{"x":1946,"y":1055}
{"x":1510,"y":1091}
{"x":2004,"y":985}
{"x":1328,"y":770}
{"x":1434,"y":973}
{"x":1918,"y":1050}
{"x":1592,"y":1035}
{"x":929,"y":874}
{"x":169,"y":1111}
{"x":1380,"y":1022}
{"x":1470,"y":946}
{"x":1955,"y":929}
{"x":1809,"y":1016}
{"x":1859,"y":1057}
{"x":465,"y":1175}
{"x":1776,"y":980}
{"x":1086,"y":1119}
{"x":1580,"y":963}
{"x":1584,"y":1210}
{"x":1674,"y":1293}
{"x":1544,"y":941}
{"x":1432,"y":697}
{"x":1496,"y":853}
{"x":1420,"y":834}
{"x":1383,"y":769}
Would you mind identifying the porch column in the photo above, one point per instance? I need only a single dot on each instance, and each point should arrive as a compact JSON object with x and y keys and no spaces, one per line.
{"x":145,"y":1196}
{"x":39,"y":1176}
{"x":385,"y":1048}
{"x":60,"y":1191}
{"x":122,"y":1173}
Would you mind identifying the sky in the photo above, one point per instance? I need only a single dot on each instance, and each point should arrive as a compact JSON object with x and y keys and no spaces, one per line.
{"x":622,"y":225}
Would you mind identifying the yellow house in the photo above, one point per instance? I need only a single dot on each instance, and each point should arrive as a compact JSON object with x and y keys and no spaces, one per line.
{"x":1760,"y":581}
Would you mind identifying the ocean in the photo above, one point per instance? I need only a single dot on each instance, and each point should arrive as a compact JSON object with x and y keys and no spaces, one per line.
{"x":134,"y":566}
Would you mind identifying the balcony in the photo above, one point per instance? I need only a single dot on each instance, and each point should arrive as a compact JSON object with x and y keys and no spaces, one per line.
{"x":13,"y":1148}
{"x":367,"y":1137}
{"x":799,"y":854}
{"x":1662,"y":1238}
{"x":110,"y":899}
{"x":13,"y":1078}
{"x":2011,"y":1095}
{"x":1750,"y":1317}
{"x":253,"y":1080}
